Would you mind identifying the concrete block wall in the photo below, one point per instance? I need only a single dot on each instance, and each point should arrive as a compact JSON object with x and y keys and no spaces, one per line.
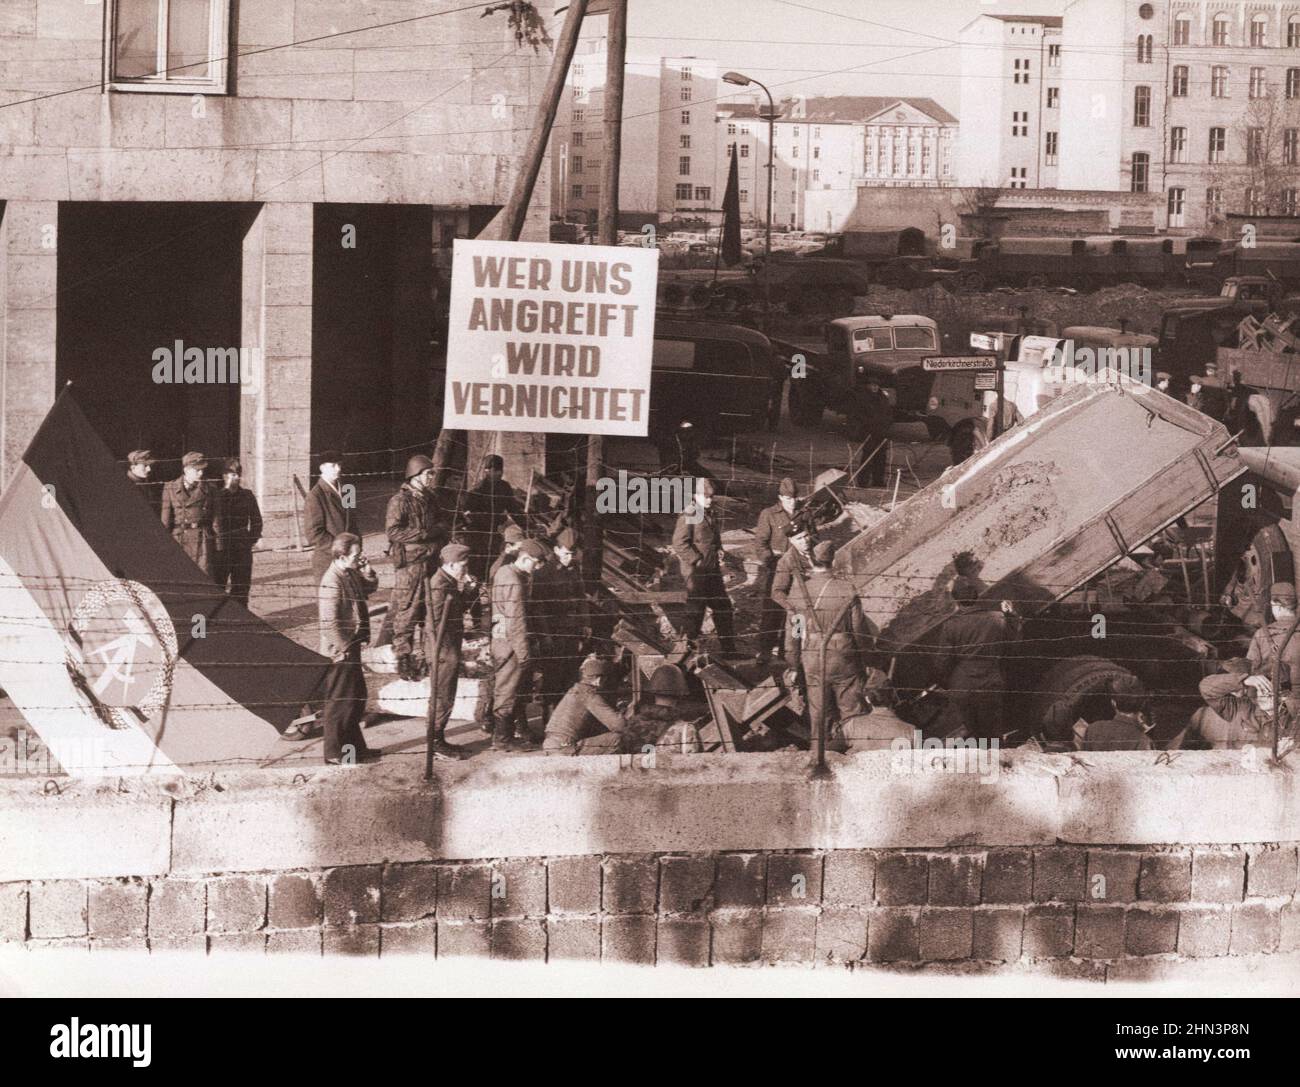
{"x":1088,"y":913}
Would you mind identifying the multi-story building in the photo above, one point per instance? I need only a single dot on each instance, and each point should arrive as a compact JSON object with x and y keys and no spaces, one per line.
{"x":1011,"y":102}
{"x":742,"y":128}
{"x":668,"y":153}
{"x":271,"y":179}
{"x":831,"y":146}
{"x":1195,"y":99}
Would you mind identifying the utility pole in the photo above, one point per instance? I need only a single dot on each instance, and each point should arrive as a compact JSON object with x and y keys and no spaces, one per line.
{"x":606,"y":234}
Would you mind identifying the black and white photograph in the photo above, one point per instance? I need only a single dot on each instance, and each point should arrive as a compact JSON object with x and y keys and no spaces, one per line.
{"x":638,"y":498}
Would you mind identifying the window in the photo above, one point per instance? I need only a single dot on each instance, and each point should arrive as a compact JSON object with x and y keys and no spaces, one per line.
{"x":576,"y":164}
{"x":1020,"y":123}
{"x":1018,"y":176}
{"x":703,"y":192}
{"x":744,"y":150}
{"x":1178,"y":144}
{"x":1053,"y":97}
{"x":577,"y":70}
{"x":1214,"y":201}
{"x":1253,"y":203}
{"x":731,"y":130}
{"x":1182,"y":29}
{"x":796,"y":132}
{"x":1218,"y":142}
{"x":1255,"y":150}
{"x":1289,"y":197}
{"x":1146,"y":44}
{"x":686,"y":141}
{"x":1141,"y":172}
{"x":1291,"y":146}
{"x":794,"y":151}
{"x":1293,"y":82}
{"x":1179,"y":89}
{"x":682,"y":192}
{"x":593,"y":191}
{"x":576,"y":192}
{"x":686,"y":116}
{"x":1259,"y":30}
{"x":1219,"y":30}
{"x":817,"y":175}
{"x":1020,"y":73}
{"x":1142,"y":107}
{"x":1293,"y":32}
{"x":1258,"y":83}
{"x":817,"y":152}
{"x":794,"y":175}
{"x":684,"y":165}
{"x":1219,"y":81}
{"x":593,"y":165}
{"x":1177,"y":205}
{"x":686,"y":94}
{"x":165,"y":45}
{"x":578,"y":138}
{"x":686,"y":75}
{"x":1050,"y":148}
{"x":1053,"y":56}
{"x":578,"y":116}
{"x":744,"y":195}
{"x":580,"y":94}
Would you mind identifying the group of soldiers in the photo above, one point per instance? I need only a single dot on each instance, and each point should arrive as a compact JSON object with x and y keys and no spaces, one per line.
{"x":216,"y":525}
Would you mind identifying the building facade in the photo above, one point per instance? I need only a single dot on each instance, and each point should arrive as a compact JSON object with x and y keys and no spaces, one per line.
{"x":1011,"y":102}
{"x":281,"y":181}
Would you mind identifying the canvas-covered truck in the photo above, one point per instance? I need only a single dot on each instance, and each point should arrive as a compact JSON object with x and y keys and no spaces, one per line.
{"x":1041,"y":512}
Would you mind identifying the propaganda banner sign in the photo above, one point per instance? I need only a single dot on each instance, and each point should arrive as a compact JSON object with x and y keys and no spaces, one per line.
{"x":550,"y":338}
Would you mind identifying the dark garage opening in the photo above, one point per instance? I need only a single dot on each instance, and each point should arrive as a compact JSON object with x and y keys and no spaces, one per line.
{"x":136,"y":277}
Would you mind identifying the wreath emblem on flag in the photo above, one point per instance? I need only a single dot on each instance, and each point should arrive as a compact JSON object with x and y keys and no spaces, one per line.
{"x":121,"y":651}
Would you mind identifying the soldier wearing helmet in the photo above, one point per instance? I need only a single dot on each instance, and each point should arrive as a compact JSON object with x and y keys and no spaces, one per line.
{"x":417,"y":531}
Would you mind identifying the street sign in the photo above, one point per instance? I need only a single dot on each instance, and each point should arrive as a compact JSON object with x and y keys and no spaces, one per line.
{"x":960,"y":362}
{"x":986,"y":380}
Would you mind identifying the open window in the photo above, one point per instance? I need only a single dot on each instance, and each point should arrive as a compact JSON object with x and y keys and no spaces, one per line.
{"x":168,"y":46}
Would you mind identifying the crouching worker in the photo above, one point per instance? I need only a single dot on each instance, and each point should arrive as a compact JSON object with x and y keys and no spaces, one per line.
{"x":575,"y":728}
{"x":451,"y":592}
{"x":879,"y":726}
{"x":1238,"y":710}
{"x":1127,"y":729}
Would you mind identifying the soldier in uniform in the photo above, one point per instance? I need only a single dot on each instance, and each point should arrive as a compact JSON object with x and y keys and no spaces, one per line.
{"x":187,"y":511}
{"x":511,"y":537}
{"x":236,"y":528}
{"x":1267,"y":641}
{"x":971,"y":646}
{"x":561,"y":597}
{"x":829,"y":637}
{"x":575,"y":726}
{"x":326,"y":514}
{"x":514,"y":643}
{"x":451,"y":593}
{"x":487,"y":506}
{"x":1238,"y":711}
{"x":697,"y":542}
{"x":416,"y":534}
{"x":879,"y":727}
{"x":771,"y":539}
{"x":140,"y":464}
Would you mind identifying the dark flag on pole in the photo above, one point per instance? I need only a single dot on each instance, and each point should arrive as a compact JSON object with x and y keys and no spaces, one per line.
{"x":731,"y":215}
{"x":118,"y":650}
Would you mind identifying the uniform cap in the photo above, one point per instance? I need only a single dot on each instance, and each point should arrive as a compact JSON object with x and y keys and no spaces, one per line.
{"x":492,"y":461}
{"x":453,"y":552}
{"x":1283,"y":592}
{"x":595,"y":667}
{"x":534,"y":549}
{"x":823,"y":552}
{"x":194,"y":460}
{"x":787,"y":488}
{"x":233,"y":465}
{"x":331,"y":456}
{"x":140,"y":456}
{"x":512,"y":534}
{"x":668,"y":681}
{"x":417,"y":464}
{"x":1236,"y":666}
{"x":568,"y":539}
{"x":965,"y":589}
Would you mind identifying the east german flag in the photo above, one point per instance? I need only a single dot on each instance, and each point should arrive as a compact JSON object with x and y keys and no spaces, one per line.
{"x":120,"y":652}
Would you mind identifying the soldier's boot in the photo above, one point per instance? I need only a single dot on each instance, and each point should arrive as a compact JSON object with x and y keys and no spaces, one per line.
{"x":503,"y":732}
{"x":448,"y":752}
{"x":404,"y":670}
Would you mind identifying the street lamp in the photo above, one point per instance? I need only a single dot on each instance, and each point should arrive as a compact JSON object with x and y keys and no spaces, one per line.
{"x":736,"y":79}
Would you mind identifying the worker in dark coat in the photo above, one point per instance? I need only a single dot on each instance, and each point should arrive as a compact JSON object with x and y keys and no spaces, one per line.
{"x":971,"y":646}
{"x":771,"y":539}
{"x":487,"y":506}
{"x":329,"y":511}
{"x":829,"y":637}
{"x":869,"y":425}
{"x":584,"y":723}
{"x":515,"y":643}
{"x":511,"y":537}
{"x":417,"y":531}
{"x":344,"y":629}
{"x":697,"y":543}
{"x":236,"y":528}
{"x":560,"y":595}
{"x":877,"y":727}
{"x":140,"y":464}
{"x":1127,"y":728}
{"x":187,"y":511}
{"x":451,"y":594}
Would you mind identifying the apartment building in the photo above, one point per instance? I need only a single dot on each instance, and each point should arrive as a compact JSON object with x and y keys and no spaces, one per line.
{"x":186,"y":174}
{"x":1011,"y":102}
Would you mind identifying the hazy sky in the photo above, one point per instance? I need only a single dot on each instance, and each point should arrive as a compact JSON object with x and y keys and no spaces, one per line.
{"x":815,"y":47}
